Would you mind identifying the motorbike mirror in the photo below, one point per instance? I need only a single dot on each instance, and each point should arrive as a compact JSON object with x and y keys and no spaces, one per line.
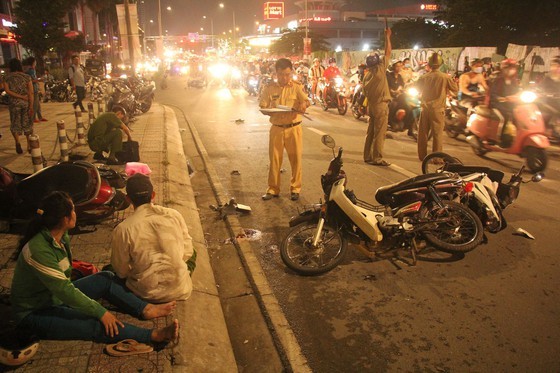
{"x":328,"y":141}
{"x":537,"y":177}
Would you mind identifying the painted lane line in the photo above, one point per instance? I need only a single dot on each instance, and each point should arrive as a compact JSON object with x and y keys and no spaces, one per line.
{"x":402,"y":170}
{"x":320,"y":133}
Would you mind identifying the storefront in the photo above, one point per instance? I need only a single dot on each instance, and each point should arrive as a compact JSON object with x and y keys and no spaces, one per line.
{"x":9,"y":47}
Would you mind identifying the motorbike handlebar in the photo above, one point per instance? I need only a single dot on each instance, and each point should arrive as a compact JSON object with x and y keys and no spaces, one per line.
{"x":339,"y":156}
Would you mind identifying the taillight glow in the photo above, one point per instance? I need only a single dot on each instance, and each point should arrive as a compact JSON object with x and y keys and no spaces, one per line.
{"x":468,"y":187}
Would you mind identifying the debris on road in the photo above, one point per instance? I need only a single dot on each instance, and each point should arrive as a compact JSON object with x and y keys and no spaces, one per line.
{"x":239,"y":121}
{"x":523,"y":233}
{"x":230,"y":208}
{"x":282,"y":170}
{"x":235,"y":173}
{"x":249,"y":235}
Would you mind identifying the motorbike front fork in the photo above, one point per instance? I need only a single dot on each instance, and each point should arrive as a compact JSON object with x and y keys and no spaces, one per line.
{"x":317,"y":235}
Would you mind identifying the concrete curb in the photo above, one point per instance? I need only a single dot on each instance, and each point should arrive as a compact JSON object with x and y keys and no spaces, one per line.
{"x":206,"y":347}
{"x":282,"y":332}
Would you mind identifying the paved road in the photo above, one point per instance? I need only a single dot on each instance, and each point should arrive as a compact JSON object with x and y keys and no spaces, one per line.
{"x":496,"y":309}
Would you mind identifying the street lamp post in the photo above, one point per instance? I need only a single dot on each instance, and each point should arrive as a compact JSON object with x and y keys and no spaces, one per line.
{"x":234,"y":28}
{"x":211,"y":29}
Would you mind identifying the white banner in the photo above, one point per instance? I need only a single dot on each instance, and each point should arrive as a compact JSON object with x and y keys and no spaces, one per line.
{"x":134,"y":32}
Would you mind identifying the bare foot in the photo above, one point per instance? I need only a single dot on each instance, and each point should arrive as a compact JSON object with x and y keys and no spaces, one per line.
{"x":151,"y":311}
{"x":168,"y":334}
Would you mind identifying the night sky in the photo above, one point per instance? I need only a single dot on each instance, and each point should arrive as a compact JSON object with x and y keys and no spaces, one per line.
{"x":186,"y":15}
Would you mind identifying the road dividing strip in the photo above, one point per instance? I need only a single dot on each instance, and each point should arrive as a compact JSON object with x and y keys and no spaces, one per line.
{"x":402,"y":170}
{"x":320,"y":133}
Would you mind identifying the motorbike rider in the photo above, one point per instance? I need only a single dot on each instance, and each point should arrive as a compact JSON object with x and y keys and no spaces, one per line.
{"x":503,"y":94}
{"x":406,"y":71}
{"x":396,"y":87}
{"x":329,"y":74}
{"x":434,"y":88}
{"x":551,"y":83}
{"x":470,"y":84}
{"x":315,"y":73}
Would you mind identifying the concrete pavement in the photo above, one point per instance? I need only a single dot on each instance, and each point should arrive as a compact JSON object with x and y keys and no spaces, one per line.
{"x":204,"y":344}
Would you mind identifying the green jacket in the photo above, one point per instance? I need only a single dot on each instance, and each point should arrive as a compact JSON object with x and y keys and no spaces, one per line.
{"x":42,"y":279}
{"x":104,"y":124}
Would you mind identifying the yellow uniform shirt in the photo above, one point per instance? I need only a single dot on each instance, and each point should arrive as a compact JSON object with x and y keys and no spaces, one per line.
{"x":291,"y":95}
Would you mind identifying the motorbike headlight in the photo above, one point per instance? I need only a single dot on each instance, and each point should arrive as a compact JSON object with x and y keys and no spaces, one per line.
{"x":236,"y":74}
{"x":528,"y":97}
{"x":338,"y":81}
{"x":412,"y":92}
{"x":295,"y":77}
{"x":253,"y":82}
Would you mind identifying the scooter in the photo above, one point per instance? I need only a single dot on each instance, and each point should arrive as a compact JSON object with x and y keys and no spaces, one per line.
{"x":489,"y":195}
{"x":525,"y":138}
{"x":457,"y":116}
{"x":550,"y":109}
{"x":95,"y":196}
{"x":408,"y":210}
{"x":335,"y":97}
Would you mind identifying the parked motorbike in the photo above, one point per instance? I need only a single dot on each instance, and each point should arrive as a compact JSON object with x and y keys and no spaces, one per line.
{"x":408,"y":210}
{"x":489,"y":195}
{"x":60,"y":91}
{"x":335,"y":97}
{"x":144,"y":92}
{"x":525,"y":137}
{"x":95,"y":197}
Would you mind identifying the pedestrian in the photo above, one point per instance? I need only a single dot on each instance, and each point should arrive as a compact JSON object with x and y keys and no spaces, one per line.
{"x":105,"y":135}
{"x":152,"y":248}
{"x":285,"y":132}
{"x":31,"y":64}
{"x":78,"y":82}
{"x":48,"y":304}
{"x":434,"y":87}
{"x":19,"y":87}
{"x":376,"y":90}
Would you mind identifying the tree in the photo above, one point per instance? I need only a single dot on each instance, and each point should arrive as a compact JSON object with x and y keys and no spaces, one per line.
{"x":291,"y":43}
{"x":497,"y":23}
{"x":419,"y":31}
{"x":39,"y":27}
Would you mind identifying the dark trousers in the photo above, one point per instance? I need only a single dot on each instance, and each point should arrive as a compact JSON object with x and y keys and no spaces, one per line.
{"x":80,"y":95}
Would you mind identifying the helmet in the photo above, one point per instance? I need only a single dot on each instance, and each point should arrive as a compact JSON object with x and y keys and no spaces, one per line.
{"x":316,"y":59}
{"x":435,"y":60}
{"x":17,"y":349}
{"x":508,"y":62}
{"x":372,"y":60}
{"x":332,"y":60}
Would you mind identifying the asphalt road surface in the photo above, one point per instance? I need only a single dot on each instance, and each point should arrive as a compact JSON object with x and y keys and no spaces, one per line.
{"x":497,"y":309}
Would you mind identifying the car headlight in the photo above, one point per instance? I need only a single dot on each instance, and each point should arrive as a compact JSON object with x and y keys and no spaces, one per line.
{"x":528,"y":97}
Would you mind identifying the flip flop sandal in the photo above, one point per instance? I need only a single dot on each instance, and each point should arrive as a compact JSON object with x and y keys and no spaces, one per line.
{"x":128,"y":347}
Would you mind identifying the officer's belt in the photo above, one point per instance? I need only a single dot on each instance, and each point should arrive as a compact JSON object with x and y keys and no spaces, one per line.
{"x":288,"y":125}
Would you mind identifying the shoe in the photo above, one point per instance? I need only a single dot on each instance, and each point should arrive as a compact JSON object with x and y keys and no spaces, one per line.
{"x":383,"y":163}
{"x":43,"y":120}
{"x":114,"y":162}
{"x":268,"y":196}
{"x":294,"y":196}
{"x":413,"y":135}
{"x":98,"y":156}
{"x":36,"y":121}
{"x":19,"y":150}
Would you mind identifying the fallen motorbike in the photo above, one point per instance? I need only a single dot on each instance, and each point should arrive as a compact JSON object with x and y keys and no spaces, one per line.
{"x":335,"y":97}
{"x":95,"y":197}
{"x":409,"y":210}
{"x":489,"y":195}
{"x":524,"y":137}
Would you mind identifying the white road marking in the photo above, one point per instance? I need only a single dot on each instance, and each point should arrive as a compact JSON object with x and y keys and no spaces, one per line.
{"x":402,"y":170}
{"x":320,"y":133}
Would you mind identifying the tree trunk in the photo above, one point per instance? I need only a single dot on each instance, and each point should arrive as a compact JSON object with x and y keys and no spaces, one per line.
{"x":95,"y":28}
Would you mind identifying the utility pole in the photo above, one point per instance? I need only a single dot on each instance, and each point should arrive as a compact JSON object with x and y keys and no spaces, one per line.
{"x":129,"y":35}
{"x":234,"y":40}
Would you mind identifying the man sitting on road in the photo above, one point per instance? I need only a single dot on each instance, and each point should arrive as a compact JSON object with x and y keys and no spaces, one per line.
{"x":105,"y":135}
{"x":152,"y":248}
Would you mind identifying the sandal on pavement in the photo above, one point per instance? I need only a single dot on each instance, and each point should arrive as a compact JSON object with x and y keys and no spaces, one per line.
{"x":128,"y":347}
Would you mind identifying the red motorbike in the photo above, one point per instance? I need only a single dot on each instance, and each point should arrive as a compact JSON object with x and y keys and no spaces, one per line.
{"x":525,"y":137}
{"x":93,"y":192}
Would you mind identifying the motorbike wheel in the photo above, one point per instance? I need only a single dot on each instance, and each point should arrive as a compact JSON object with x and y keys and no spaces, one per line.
{"x":324,"y":105}
{"x":536,"y":159}
{"x":461,"y":230}
{"x":449,"y":128}
{"x":146,"y":105}
{"x":298,"y":254}
{"x":342,"y":106}
{"x":356,"y":112}
{"x":480,"y":150}
{"x":435,"y":162}
{"x":60,"y":96}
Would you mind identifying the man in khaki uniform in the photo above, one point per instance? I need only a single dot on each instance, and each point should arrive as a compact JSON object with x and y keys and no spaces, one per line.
{"x":376,"y":90}
{"x":434,"y":88}
{"x":285,"y":131}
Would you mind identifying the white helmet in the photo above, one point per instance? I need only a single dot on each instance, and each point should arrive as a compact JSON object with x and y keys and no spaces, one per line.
{"x":14,"y":356}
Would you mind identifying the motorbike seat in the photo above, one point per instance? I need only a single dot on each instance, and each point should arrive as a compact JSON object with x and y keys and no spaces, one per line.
{"x":494,"y":175}
{"x":383,"y":194}
{"x":487,"y":112}
{"x":78,"y":179}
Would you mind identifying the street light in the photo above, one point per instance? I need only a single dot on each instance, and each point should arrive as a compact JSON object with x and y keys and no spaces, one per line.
{"x":234,"y":28}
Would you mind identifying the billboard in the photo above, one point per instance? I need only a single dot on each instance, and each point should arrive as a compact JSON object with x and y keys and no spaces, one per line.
{"x":273,"y":10}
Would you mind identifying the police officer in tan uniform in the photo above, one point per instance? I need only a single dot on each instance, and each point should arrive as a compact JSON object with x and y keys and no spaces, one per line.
{"x":434,"y":88}
{"x":376,"y":90}
{"x":285,"y":131}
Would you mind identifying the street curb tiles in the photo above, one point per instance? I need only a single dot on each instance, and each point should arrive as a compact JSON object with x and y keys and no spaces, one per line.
{"x":268,"y":300}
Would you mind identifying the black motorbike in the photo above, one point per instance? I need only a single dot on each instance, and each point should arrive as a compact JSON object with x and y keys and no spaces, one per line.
{"x":60,"y":91}
{"x":93,"y":191}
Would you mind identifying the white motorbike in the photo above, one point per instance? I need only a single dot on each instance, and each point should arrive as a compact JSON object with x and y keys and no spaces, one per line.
{"x":416,"y":208}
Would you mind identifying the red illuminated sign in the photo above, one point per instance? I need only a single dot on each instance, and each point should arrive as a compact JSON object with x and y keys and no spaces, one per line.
{"x":274,"y":10}
{"x":316,"y":19}
{"x":429,"y":7}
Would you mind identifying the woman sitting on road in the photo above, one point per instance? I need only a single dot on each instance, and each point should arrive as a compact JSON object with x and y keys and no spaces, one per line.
{"x":49,"y":305}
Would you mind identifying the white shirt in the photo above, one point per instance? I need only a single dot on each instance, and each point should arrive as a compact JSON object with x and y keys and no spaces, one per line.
{"x":150,"y":249}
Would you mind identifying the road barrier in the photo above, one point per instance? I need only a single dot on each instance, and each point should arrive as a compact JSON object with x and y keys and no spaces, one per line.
{"x":62,"y":140}
{"x":36,"y":154}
